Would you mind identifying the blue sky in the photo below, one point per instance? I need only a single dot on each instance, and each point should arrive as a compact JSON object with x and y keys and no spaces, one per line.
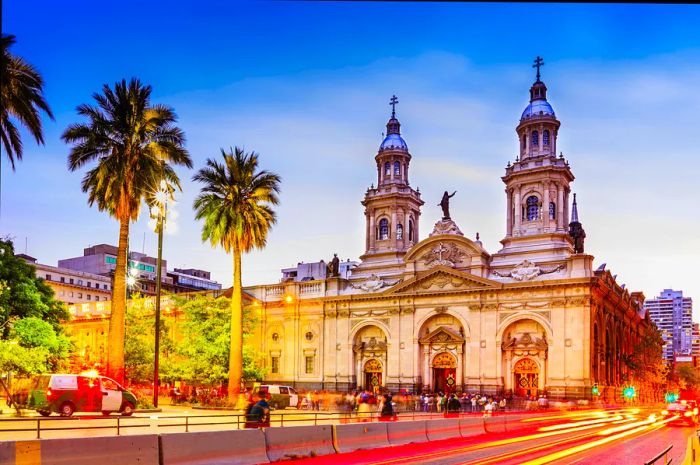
{"x":307,"y":85}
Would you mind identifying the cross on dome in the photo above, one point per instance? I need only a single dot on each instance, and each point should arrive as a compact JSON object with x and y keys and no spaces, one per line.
{"x":539,"y":62}
{"x":393,"y":101}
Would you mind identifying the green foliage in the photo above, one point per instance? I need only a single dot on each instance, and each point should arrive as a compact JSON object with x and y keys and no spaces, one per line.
{"x":646,"y":363}
{"x":21,"y":100}
{"x":201,"y":357}
{"x":139,"y":344}
{"x":689,"y":377}
{"x":23,"y":295}
{"x":31,"y":340}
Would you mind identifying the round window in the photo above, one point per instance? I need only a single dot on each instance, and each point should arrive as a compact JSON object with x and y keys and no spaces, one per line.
{"x":275,"y":337}
{"x":309,"y":336}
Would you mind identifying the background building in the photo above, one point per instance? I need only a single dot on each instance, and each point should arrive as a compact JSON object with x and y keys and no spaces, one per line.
{"x":71,"y":286}
{"x":315,"y":270}
{"x":673,"y":315}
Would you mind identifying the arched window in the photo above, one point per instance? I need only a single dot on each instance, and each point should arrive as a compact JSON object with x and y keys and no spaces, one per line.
{"x":532,"y":207}
{"x":383,"y":229}
{"x":397,"y":168}
{"x":545,"y":137}
{"x":387,"y":169}
{"x":552,"y":211}
{"x":410,"y":230}
{"x":535,"y":138}
{"x":399,"y":231}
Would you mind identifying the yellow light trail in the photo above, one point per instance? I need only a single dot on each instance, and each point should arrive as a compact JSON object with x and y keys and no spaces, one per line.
{"x":581,"y":423}
{"x":500,"y":442}
{"x":589,"y":445}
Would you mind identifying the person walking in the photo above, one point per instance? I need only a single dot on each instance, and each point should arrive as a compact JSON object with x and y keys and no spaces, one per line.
{"x":473,"y":402}
{"x":386,"y":411}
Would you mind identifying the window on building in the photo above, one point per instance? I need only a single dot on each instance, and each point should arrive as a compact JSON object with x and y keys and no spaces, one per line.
{"x":410,"y":230}
{"x":80,"y":282}
{"x":80,"y":295}
{"x":63,"y":279}
{"x":71,"y":280}
{"x":383,"y":229}
{"x":111,"y":260}
{"x":89,"y":297}
{"x":397,"y":168}
{"x":387,"y":168}
{"x":545,"y":137}
{"x":399,"y":231}
{"x":552,"y":211}
{"x":535,"y":138}
{"x":104,"y":298}
{"x":309,"y":364}
{"x":532,"y":207}
{"x":104,"y":286}
{"x":48,"y":277}
{"x":89,"y":284}
{"x":275,"y":365}
{"x":71,"y":294}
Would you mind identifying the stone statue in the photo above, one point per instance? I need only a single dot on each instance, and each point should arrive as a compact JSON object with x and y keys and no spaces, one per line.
{"x":334,"y":266}
{"x":578,"y":235}
{"x":445,"y":204}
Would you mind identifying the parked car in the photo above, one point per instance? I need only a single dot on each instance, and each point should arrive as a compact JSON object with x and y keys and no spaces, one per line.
{"x":685,"y":411}
{"x":280,"y":397}
{"x":67,"y":393}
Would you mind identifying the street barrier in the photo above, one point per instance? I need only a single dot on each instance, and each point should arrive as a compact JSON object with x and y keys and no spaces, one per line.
{"x":349,"y":438}
{"x":117,"y":450}
{"x":495,"y":423}
{"x":471,"y":426}
{"x":442,"y":429}
{"x":243,"y":447}
{"x":300,"y":441}
{"x":406,"y":432}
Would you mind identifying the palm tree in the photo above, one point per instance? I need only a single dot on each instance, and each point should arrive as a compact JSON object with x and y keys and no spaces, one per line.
{"x":235,"y":206}
{"x":21,"y":99}
{"x":134,"y":144}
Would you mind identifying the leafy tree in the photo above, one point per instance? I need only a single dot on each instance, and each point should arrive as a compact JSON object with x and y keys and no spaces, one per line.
{"x":23,"y":295}
{"x":235,"y":204}
{"x":202,"y":355}
{"x":646,"y":363}
{"x":21,"y":100}
{"x":139,"y":344}
{"x":689,"y":377}
{"x":133,"y":143}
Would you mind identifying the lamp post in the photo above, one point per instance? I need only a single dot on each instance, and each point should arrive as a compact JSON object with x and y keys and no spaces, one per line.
{"x":160,"y":204}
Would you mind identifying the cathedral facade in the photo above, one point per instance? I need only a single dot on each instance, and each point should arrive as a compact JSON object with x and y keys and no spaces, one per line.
{"x":441,"y":313}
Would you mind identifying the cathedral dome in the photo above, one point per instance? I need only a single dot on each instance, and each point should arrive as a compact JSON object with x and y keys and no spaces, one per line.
{"x":538,"y":108}
{"x":393,"y":141}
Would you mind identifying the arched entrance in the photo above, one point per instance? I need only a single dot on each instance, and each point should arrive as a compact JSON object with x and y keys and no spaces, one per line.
{"x":373,"y":375}
{"x":444,"y":372}
{"x":526,"y":377}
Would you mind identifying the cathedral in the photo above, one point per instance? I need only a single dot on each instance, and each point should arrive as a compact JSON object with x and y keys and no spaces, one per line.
{"x":441,"y":313}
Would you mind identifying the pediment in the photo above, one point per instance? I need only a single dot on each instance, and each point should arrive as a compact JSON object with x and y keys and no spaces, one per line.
{"x":442,"y":279}
{"x":442,"y":335}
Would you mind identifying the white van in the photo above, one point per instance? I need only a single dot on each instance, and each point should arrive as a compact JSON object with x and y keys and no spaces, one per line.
{"x":281,"y":397}
{"x":67,"y":393}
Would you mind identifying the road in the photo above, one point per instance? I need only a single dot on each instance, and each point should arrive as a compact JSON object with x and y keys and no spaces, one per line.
{"x":617,"y":439}
{"x":592,"y":437}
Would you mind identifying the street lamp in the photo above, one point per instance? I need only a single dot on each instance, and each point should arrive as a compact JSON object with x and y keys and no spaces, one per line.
{"x":159,"y":210}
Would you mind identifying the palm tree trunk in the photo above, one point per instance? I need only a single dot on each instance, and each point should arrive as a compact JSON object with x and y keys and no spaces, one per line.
{"x":235,"y":369}
{"x":115,"y":346}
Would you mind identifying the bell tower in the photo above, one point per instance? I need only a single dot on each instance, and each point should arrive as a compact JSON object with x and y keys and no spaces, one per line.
{"x":392,"y":209}
{"x":538,"y":183}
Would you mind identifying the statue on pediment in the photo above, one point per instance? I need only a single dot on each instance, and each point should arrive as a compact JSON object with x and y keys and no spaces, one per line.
{"x":527,"y":271}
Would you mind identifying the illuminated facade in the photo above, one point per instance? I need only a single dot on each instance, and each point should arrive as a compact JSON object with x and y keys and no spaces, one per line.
{"x":441,"y":313}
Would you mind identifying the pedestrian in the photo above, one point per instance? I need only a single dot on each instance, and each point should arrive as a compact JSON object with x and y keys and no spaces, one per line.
{"x":502,"y":404}
{"x":386,"y":411}
{"x":258,"y":414}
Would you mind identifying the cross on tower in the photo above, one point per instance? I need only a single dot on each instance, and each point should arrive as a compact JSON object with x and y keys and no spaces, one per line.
{"x":393,"y":101}
{"x":538,"y":63}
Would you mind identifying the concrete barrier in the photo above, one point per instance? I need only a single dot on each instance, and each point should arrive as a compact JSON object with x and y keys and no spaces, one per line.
{"x":7,"y":453}
{"x":112,"y":450}
{"x":495,"y":423}
{"x":442,"y":429}
{"x":349,"y":438}
{"x":515,"y":422}
{"x":242,"y":447}
{"x":288,"y":442}
{"x":406,"y":432}
{"x":471,"y":426}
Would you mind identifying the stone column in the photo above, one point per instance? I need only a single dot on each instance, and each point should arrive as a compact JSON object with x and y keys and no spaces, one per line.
{"x":508,"y":377}
{"x":545,"y":206}
{"x":560,"y":208}
{"x":518,"y":212}
{"x":372,"y":231}
{"x":566,"y":209}
{"x":460,"y":362}
{"x":426,"y":366}
{"x":509,"y":213}
{"x":392,"y":231}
